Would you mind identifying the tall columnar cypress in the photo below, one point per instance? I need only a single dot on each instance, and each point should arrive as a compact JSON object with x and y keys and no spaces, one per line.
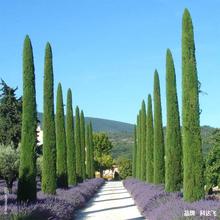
{"x":78,"y":146}
{"x":83,"y":144}
{"x":173,"y":148}
{"x":138,"y":168}
{"x":134,"y":153}
{"x":150,"y":143}
{"x":159,"y":164}
{"x":27,"y":169}
{"x":88,"y":152}
{"x":143,"y":141}
{"x":92,"y":174}
{"x":62,"y":181}
{"x":49,"y":137}
{"x":193,"y":186}
{"x":71,"y":161}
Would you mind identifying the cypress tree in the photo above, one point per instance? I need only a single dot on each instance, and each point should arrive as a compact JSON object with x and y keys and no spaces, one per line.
{"x":143,"y":141}
{"x":78,"y":146}
{"x":193,"y":186}
{"x":88,"y":152}
{"x":27,"y":169}
{"x":173,"y":148}
{"x":62,"y":181}
{"x":71,"y":161}
{"x":82,"y":137}
{"x":92,"y":174}
{"x":138,"y":168}
{"x":134,"y":153}
{"x":159,"y":164}
{"x":49,"y":137}
{"x":150,"y":143}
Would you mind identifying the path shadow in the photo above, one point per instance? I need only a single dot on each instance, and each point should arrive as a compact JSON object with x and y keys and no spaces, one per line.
{"x":107,"y":209}
{"x":108,"y":190}
{"x":138,"y":218}
{"x":103,"y":194}
{"x":106,"y":200}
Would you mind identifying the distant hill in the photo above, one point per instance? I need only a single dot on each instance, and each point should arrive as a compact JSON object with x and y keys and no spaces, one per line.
{"x":121,"y":135}
{"x":104,"y":125}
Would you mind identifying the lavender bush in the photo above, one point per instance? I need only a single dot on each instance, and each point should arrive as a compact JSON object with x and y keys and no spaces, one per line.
{"x":156,"y":204}
{"x":60,"y":206}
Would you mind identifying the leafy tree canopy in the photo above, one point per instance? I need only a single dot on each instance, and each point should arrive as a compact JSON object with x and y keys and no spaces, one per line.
{"x":10,"y":115}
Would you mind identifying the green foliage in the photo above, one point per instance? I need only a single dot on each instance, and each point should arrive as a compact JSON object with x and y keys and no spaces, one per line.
{"x":150,"y":143}
{"x":78,"y":146}
{"x":173,"y":149}
{"x":92,"y":155}
{"x":49,"y":136}
{"x":134,"y":153}
{"x":193,"y":186}
{"x":125,"y":167}
{"x":159,"y":163}
{"x":138,"y":165}
{"x":9,"y":164}
{"x":62,"y":181}
{"x":71,"y":160}
{"x":39,"y":166}
{"x":83,"y":144}
{"x":27,"y":169}
{"x":212,"y":171}
{"x":143,"y":141}
{"x":102,"y":148}
{"x":10,"y":116}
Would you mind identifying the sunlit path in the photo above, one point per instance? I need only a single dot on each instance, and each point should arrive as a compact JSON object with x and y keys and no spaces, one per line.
{"x":111,"y":202}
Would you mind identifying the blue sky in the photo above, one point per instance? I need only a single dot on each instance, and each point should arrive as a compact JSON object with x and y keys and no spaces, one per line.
{"x":106,"y":51}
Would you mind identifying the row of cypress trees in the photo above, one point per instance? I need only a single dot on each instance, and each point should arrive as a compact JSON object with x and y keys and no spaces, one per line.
{"x":68,"y":155}
{"x":175,"y":160}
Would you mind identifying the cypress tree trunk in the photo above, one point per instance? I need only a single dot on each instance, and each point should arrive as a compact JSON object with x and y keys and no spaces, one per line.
{"x":62,"y":181}
{"x":159,"y":164}
{"x":92,"y":174}
{"x":49,"y":137}
{"x":143,"y":141}
{"x":134,"y":153}
{"x":193,"y":186}
{"x":27,"y":169}
{"x":173,"y":149}
{"x":78,"y":147}
{"x":88,"y":152}
{"x":83,"y":144}
{"x":150,"y":143}
{"x":71,"y":161}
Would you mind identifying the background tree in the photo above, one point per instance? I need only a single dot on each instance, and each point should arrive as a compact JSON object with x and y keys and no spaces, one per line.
{"x":159,"y":166}
{"x":143,"y":141}
{"x":138,"y":166}
{"x":78,"y":147}
{"x":150,"y":143}
{"x":193,"y":186}
{"x":9,"y":164}
{"x":125,"y":167}
{"x":62,"y":181}
{"x":10,"y":115}
{"x":173,"y":149}
{"x":83,"y":144}
{"x":212,"y":162}
{"x":134,"y":155}
{"x":27,"y":170}
{"x":49,"y":137}
{"x":102,"y":149}
{"x":70,"y":142}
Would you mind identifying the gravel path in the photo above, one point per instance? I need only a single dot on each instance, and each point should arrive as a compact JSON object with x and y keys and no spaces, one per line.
{"x":111,"y":202}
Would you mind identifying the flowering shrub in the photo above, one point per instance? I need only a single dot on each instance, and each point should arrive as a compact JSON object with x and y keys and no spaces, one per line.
{"x":60,"y":206}
{"x":156,"y":204}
